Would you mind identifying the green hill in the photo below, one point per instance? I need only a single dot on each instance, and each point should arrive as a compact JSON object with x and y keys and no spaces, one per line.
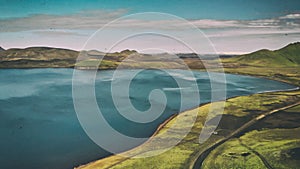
{"x":44,"y":57}
{"x":286,"y":56}
{"x":36,"y":57}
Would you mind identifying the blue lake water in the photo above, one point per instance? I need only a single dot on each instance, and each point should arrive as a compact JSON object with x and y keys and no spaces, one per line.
{"x":39,"y":127}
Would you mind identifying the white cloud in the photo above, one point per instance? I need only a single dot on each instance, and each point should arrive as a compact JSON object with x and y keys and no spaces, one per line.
{"x":72,"y":30}
{"x":59,"y":32}
{"x":291,"y":16}
{"x":82,"y":20}
{"x":97,"y":19}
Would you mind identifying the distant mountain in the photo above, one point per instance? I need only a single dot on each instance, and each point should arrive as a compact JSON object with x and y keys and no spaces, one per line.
{"x":37,"y":57}
{"x":1,"y":49}
{"x":286,"y":56}
{"x":43,"y":57}
{"x":37,"y":53}
{"x":40,"y":57}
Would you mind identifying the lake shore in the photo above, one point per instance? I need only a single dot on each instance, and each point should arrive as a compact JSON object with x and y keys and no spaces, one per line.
{"x":163,"y":125}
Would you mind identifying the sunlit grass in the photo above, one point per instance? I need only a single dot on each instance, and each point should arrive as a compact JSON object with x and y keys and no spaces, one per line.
{"x":273,"y":144}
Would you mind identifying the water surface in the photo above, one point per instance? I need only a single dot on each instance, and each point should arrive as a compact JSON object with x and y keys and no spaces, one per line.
{"x":39,"y":127}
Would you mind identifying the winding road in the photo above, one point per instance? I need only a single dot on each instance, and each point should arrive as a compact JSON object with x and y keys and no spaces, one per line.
{"x":262,"y":158}
{"x":196,"y":164}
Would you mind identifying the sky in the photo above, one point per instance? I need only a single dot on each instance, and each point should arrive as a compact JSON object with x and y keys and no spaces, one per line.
{"x":229,"y":26}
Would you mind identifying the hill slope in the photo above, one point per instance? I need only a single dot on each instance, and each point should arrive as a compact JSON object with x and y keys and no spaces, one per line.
{"x":46,"y":57}
{"x":37,"y":57}
{"x":286,"y":56}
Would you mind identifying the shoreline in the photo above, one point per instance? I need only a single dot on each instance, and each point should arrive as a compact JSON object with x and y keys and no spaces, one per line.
{"x":263,"y":77}
{"x":158,"y":129}
{"x":163,"y":124}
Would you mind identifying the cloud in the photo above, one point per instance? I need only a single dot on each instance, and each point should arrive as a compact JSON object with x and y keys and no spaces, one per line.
{"x":95,"y":19}
{"x":291,"y":16}
{"x":291,"y":21}
{"x":72,"y":30}
{"x":54,"y":32}
{"x":82,"y":20}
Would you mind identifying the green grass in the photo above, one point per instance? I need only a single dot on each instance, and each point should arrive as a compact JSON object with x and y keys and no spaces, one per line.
{"x":274,"y":145}
{"x":280,"y":147}
{"x":287,"y":56}
{"x":229,"y":155}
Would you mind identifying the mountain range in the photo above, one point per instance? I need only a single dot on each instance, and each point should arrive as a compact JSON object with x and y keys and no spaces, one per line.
{"x":40,"y":57}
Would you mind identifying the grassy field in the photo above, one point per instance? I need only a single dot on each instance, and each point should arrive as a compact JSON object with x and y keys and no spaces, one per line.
{"x":276,"y":139}
{"x":279,"y":147}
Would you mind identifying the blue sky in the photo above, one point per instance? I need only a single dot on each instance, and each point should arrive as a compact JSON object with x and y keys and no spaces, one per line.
{"x":233,"y":26}
{"x":189,"y":9}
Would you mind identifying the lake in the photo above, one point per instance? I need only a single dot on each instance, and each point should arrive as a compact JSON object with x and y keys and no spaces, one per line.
{"x":39,"y":127}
